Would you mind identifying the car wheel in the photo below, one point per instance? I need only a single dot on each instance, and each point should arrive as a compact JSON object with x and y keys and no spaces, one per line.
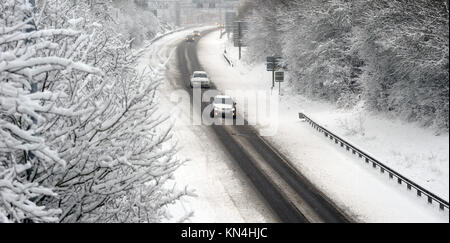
{"x":212,"y":114}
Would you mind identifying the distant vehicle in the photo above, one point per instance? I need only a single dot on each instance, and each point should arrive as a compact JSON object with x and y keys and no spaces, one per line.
{"x":200,"y":78}
{"x":223,"y":106}
{"x":196,"y":33}
{"x":190,"y":38}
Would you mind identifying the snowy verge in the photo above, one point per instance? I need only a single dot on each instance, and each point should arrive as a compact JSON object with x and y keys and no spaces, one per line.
{"x":355,"y":187}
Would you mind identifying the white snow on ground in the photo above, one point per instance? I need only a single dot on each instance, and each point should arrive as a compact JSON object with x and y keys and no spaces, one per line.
{"x":224,"y":194}
{"x":361,"y":191}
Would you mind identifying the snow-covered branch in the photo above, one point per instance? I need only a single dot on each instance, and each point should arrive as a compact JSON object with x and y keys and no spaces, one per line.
{"x":80,"y":138}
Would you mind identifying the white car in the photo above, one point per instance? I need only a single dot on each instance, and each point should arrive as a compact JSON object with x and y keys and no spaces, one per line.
{"x":200,"y":79}
{"x":223,"y":106}
{"x":196,"y":33}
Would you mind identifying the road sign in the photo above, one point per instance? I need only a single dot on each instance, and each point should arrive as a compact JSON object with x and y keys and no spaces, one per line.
{"x":273,"y":63}
{"x":270,"y":66}
{"x":240,"y":29}
{"x":279,"y":77}
{"x":229,"y":18}
{"x":274,"y":59}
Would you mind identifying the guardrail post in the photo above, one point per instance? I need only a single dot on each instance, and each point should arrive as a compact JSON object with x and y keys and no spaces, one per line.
{"x":399,"y":181}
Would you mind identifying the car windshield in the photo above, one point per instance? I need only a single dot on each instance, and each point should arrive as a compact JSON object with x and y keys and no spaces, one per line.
{"x":190,"y":36}
{"x":225,"y":101}
{"x":200,"y":75}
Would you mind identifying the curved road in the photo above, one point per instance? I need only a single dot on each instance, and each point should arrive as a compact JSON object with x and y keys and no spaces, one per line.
{"x":289,"y":194}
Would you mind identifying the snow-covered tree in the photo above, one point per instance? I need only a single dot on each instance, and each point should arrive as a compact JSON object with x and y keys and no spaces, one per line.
{"x":318,"y":48}
{"x":264,"y":36}
{"x":315,"y":39}
{"x":136,"y":21}
{"x":392,"y":55}
{"x":81,"y":138}
{"x":404,"y":45}
{"x":23,"y":110}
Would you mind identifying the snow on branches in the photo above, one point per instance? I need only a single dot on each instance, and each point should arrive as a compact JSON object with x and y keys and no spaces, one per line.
{"x":80,"y":138}
{"x":390,"y":55}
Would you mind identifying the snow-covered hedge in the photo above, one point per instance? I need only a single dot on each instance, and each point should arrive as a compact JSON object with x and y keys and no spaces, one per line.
{"x":137,"y":23}
{"x":392,"y":55}
{"x":80,"y":140}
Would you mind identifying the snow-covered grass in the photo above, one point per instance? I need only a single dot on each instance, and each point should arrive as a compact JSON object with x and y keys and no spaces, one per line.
{"x":410,"y":149}
{"x":223,"y":193}
{"x":360,"y":190}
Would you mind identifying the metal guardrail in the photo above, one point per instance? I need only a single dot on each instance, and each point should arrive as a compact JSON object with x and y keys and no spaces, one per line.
{"x":162,"y":35}
{"x":158,"y":37}
{"x":377,"y":164}
{"x":228,"y":59}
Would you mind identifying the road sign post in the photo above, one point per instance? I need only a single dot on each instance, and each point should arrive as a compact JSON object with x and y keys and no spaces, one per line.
{"x":229,"y":18}
{"x":273,"y":64}
{"x":279,"y":78}
{"x":239,"y":30}
{"x":240,"y":52}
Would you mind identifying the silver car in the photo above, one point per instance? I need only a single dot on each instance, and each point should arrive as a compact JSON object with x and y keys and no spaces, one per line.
{"x":223,"y":106}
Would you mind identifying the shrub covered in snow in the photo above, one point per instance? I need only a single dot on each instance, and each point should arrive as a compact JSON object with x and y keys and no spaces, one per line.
{"x":80,"y":140}
{"x":135,"y":22}
{"x":391,"y":54}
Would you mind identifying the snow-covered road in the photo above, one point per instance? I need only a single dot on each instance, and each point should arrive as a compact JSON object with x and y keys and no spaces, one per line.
{"x":356,"y":188}
{"x":224,"y":194}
